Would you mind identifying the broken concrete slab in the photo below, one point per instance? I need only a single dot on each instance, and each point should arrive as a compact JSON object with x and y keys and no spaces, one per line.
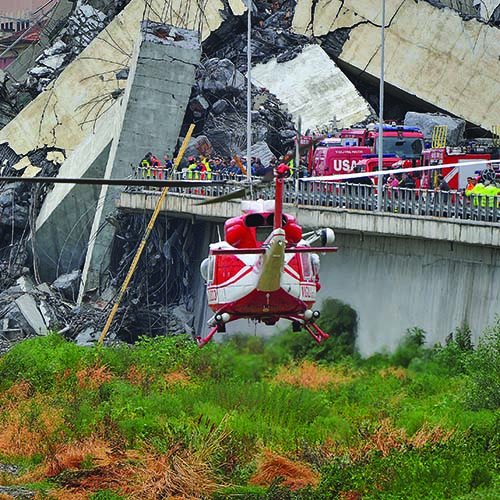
{"x":31,"y":171}
{"x":56,"y":157}
{"x":29,"y":309}
{"x":22,"y":163}
{"x":427,"y":121}
{"x":68,"y":284}
{"x":322,"y":99}
{"x":62,"y":117}
{"x":451,"y":66}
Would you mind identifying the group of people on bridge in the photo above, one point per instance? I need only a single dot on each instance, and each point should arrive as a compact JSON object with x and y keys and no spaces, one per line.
{"x":481,"y":190}
{"x":207,"y":168}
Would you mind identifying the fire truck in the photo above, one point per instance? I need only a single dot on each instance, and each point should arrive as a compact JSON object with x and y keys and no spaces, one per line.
{"x":461,"y":157}
{"x":338,"y":155}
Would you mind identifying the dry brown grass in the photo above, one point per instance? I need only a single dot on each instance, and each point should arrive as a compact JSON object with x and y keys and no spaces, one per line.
{"x":308,"y":374}
{"x":183,"y":472}
{"x":395,"y":371}
{"x":93,"y":377}
{"x":135,"y":375}
{"x":350,"y":495}
{"x":71,"y":456}
{"x":178,"y":473}
{"x":386,"y":438}
{"x":294,"y":475}
{"x":27,"y":426}
{"x":11,"y":397}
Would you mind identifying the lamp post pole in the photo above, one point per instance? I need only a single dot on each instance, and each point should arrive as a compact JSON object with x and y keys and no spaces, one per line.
{"x":249,"y":92}
{"x":380,"y":144}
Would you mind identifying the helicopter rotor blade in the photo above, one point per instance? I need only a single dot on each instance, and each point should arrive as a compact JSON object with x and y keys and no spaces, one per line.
{"x":113,"y":182}
{"x":239,"y":193}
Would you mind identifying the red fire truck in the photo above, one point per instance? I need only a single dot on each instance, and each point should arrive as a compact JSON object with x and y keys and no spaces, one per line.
{"x":341,"y":154}
{"x":456,"y":175}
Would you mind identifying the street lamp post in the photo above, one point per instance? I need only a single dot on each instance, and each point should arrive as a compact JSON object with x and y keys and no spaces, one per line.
{"x":249,"y":91}
{"x":381,"y":111}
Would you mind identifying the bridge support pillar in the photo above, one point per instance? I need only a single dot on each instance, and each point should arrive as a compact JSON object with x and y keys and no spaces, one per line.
{"x":158,"y":89}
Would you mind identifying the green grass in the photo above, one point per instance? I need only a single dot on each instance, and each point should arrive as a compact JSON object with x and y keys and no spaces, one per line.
{"x":416,"y":423}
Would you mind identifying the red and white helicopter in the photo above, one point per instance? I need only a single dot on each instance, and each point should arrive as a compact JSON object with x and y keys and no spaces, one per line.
{"x":265,"y":278}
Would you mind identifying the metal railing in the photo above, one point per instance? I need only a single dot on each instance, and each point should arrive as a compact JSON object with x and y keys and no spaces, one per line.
{"x":415,"y":202}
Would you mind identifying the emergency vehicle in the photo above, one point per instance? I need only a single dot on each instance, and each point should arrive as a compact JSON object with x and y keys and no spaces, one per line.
{"x":456,"y":175}
{"x":341,"y":154}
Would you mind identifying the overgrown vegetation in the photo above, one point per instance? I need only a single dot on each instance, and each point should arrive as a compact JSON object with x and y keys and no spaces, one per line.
{"x":253,"y":419}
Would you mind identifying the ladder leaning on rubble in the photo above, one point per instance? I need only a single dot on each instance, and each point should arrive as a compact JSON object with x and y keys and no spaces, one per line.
{"x":144,"y":240}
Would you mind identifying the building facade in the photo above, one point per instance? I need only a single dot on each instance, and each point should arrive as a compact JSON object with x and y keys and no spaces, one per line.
{"x":20,"y":25}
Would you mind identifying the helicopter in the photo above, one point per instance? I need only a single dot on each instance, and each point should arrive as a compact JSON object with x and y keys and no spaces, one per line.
{"x":265,"y":269}
{"x":264,"y":279}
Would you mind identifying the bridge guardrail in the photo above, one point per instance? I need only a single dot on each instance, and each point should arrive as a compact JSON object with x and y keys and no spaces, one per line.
{"x":416,"y":202}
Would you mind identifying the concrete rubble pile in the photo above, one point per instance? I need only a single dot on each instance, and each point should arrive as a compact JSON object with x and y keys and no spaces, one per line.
{"x":78,"y":31}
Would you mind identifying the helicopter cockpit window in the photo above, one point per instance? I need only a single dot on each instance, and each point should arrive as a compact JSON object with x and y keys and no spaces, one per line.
{"x":259,"y":220}
{"x":207,"y":269}
{"x":255,"y":220}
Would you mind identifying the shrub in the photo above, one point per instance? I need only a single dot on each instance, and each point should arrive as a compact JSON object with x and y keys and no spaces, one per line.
{"x":483,"y":368}
{"x":339,"y":321}
{"x":409,"y":348}
{"x":453,"y":357}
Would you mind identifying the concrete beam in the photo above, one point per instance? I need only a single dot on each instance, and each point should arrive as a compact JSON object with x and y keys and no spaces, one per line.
{"x":322,"y":99}
{"x":340,"y":220}
{"x":430,"y":53}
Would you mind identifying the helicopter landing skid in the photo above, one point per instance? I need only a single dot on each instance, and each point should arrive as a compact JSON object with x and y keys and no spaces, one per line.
{"x":204,"y":341}
{"x":312,"y":328}
{"x":318,"y":335}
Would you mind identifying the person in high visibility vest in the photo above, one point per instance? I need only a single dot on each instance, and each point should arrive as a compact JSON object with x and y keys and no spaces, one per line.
{"x":206,"y":170}
{"x":145,"y":166}
{"x":476,"y":193}
{"x":471,"y":182}
{"x":192,"y":173}
{"x":490,"y":193}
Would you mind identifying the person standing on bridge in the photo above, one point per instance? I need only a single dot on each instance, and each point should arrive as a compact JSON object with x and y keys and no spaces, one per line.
{"x":169,"y":166}
{"x":443,"y":188}
{"x":477,"y":193}
{"x":407,"y":181}
{"x":491,"y":193}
